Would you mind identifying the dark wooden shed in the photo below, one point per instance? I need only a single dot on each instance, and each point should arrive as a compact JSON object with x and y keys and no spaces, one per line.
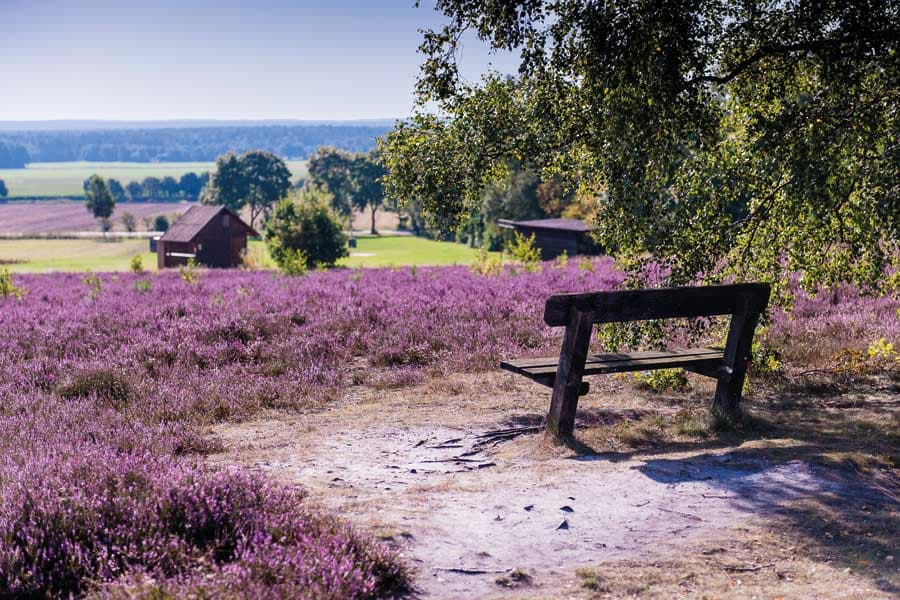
{"x":213,"y":236}
{"x":555,"y":236}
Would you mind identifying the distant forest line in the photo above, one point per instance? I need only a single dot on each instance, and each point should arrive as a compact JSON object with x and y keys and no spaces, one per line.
{"x":201,"y":144}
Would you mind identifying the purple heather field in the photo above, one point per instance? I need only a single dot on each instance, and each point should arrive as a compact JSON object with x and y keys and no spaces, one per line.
{"x":106,"y":389}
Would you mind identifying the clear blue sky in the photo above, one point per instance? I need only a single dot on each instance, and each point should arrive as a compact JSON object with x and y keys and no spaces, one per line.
{"x":216,"y":59}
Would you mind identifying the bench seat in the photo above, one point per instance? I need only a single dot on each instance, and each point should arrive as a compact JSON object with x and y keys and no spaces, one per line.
{"x":579,"y":313}
{"x":706,"y":361}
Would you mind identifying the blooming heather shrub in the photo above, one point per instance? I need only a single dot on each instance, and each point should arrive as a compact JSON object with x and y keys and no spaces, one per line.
{"x":821,"y":328}
{"x":103,"y":384}
{"x":91,"y":514}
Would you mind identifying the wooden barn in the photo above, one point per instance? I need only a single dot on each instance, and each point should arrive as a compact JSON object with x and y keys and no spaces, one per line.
{"x":213,"y":236}
{"x":555,"y":236}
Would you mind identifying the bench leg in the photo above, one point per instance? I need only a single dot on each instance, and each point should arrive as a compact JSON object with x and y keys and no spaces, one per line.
{"x":727,"y":402}
{"x":569,"y":371}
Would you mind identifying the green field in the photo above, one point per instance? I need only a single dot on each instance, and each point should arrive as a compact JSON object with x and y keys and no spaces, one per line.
{"x":36,"y":256}
{"x":400,"y":251}
{"x":67,"y":178}
{"x":30,"y":255}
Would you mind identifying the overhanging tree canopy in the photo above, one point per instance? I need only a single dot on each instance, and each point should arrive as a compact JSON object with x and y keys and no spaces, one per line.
{"x":753,"y":139}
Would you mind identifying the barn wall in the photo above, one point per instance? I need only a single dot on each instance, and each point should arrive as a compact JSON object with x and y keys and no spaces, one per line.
{"x":220,"y":246}
{"x":220,"y":243}
{"x":164,"y":250}
{"x":552,"y":242}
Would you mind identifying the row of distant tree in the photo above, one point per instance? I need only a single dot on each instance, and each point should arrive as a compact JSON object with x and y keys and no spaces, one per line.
{"x":156,"y":189}
{"x":101,"y":203}
{"x":177,"y":144}
{"x":13,"y":156}
{"x":258,"y":180}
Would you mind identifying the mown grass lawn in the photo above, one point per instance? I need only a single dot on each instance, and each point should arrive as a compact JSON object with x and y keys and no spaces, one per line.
{"x":38,"y":256}
{"x":67,"y":178}
{"x":399,"y":251}
{"x":41,"y":256}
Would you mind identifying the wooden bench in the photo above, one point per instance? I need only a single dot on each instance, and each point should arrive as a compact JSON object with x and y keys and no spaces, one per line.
{"x":579,"y":312}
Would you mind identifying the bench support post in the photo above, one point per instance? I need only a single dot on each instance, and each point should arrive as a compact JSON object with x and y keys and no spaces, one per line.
{"x":569,"y":371}
{"x":736,"y":360}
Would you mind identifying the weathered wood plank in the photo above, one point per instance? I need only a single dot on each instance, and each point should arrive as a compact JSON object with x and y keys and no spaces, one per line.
{"x":736,"y":358}
{"x":597,"y":365}
{"x":567,"y":383}
{"x":549,"y":381}
{"x":663,"y":303}
{"x":551,"y":361}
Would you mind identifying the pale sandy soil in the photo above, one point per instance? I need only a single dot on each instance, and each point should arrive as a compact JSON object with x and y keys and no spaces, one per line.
{"x":480,"y":516}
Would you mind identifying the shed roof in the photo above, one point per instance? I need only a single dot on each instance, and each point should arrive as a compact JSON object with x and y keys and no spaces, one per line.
{"x":576,"y":225}
{"x":188,"y":225}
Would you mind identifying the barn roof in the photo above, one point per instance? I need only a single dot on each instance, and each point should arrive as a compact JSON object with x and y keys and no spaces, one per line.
{"x":576,"y":225}
{"x":188,"y":225}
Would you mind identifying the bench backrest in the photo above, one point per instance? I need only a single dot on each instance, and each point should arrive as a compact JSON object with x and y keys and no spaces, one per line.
{"x":661,"y":303}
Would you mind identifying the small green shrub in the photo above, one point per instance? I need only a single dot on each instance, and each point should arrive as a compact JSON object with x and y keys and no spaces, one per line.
{"x":485,"y":264}
{"x":586,"y":264}
{"x":8,"y":288}
{"x":523,"y":250}
{"x":766,"y":359}
{"x":562,"y":261}
{"x":95,"y":285}
{"x":879,"y":356}
{"x":306,"y":224}
{"x":137,"y":264}
{"x":881,"y":349}
{"x":190,"y":273}
{"x":662,"y":380}
{"x":294,"y":262}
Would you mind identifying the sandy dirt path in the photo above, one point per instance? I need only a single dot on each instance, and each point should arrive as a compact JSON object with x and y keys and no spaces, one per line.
{"x":471,"y":508}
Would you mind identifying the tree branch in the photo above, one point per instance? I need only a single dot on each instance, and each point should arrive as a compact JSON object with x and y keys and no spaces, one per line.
{"x":780,"y":49}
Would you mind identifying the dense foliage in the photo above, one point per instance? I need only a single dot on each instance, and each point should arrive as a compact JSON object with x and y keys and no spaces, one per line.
{"x":183,"y":144}
{"x":255,"y":179}
{"x":329,"y":170}
{"x":305,"y":228}
{"x":99,"y":200}
{"x":13,"y":156}
{"x":353,"y":180}
{"x":160,"y":223}
{"x":154,"y":189}
{"x":746,"y":139}
{"x":367,"y":192}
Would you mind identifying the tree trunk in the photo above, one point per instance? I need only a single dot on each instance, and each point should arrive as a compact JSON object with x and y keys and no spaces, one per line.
{"x":374,"y":208}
